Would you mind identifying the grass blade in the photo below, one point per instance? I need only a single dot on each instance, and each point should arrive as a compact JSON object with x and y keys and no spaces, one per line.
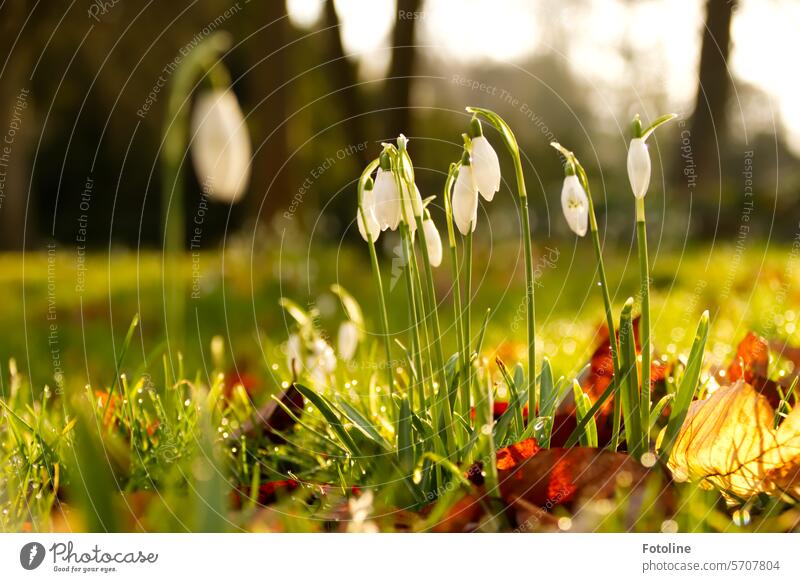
{"x":687,"y":388}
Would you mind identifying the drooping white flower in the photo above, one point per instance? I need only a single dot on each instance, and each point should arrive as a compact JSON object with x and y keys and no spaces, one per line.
{"x":433,"y":242}
{"x":575,"y":205}
{"x":347,"y":340}
{"x":638,"y":167}
{"x":387,"y":200}
{"x":485,"y":167}
{"x":465,"y":200}
{"x":221,"y":149}
{"x":372,"y":226}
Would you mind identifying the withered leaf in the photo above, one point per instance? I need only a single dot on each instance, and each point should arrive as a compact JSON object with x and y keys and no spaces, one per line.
{"x":560,"y":476}
{"x":728,"y":441}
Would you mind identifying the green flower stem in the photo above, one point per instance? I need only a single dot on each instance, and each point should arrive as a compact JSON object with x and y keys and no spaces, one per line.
{"x":462,"y":342}
{"x":199,"y":63}
{"x":376,"y":274}
{"x":416,"y":341}
{"x":513,"y":148}
{"x":601,"y":269}
{"x":644,"y":324}
{"x":466,"y":316}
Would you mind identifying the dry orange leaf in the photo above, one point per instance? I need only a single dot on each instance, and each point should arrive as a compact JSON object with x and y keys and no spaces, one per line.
{"x":728,"y":441}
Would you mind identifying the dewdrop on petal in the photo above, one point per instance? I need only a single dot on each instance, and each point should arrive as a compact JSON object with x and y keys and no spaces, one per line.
{"x":433,"y":242}
{"x":347,"y":340}
{"x":485,"y":163}
{"x":575,"y":204}
{"x":465,"y":199}
{"x":221,"y":148}
{"x":387,"y":197}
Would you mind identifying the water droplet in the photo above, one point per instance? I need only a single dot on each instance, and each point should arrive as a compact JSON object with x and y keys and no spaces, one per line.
{"x":669,"y":526}
{"x":564,"y":524}
{"x":741,"y":517}
{"x":648,"y":459}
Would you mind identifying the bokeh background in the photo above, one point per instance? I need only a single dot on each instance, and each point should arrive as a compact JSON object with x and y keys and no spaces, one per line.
{"x":322,"y":83}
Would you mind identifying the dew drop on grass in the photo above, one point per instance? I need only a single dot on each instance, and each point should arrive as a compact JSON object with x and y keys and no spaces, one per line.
{"x":564,"y":524}
{"x":648,"y":459}
{"x":187,"y":402}
{"x":669,"y":526}
{"x":539,"y":425}
{"x":741,"y":517}
{"x":486,"y":429}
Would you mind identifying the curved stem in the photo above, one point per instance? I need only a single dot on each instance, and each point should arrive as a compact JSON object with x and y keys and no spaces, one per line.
{"x":513,"y":148}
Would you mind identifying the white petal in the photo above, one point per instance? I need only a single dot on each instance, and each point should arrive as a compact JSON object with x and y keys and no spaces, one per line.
{"x":465,"y":201}
{"x":347,"y":340}
{"x":387,"y":200}
{"x":639,"y":167}
{"x":485,"y":167}
{"x":575,"y":205}
{"x":433,"y":242}
{"x":368,"y":203}
{"x":221,"y":149}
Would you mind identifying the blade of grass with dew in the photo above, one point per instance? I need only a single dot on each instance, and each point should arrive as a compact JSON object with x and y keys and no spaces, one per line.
{"x":687,"y":388}
{"x":547,"y":404}
{"x":327,"y":410}
{"x":629,"y":384}
{"x":362,"y":424}
{"x":118,"y":364}
{"x":588,"y":436}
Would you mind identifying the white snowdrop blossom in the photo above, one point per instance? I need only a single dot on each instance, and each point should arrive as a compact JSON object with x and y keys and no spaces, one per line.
{"x":412,"y":207}
{"x":221,"y":149}
{"x":575,"y":204}
{"x":360,"y":509}
{"x":485,"y":167}
{"x":373,"y":227}
{"x":347,"y":340}
{"x":465,"y":200}
{"x":638,"y":167}
{"x":387,"y":200}
{"x":433,"y":242}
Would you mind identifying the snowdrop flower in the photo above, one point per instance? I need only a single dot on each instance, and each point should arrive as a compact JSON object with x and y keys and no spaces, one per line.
{"x":387,"y":197}
{"x":373,"y":227}
{"x":465,"y":199}
{"x":638,"y":167}
{"x":485,"y":163}
{"x":360,"y":510}
{"x":433,"y":241}
{"x":575,"y":204}
{"x":221,"y":149}
{"x":347,"y":340}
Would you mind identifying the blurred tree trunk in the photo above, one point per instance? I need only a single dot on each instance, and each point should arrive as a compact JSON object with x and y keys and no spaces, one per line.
{"x":344,"y":81}
{"x":267,"y":106}
{"x":15,"y":163}
{"x":397,"y":92}
{"x":709,"y":123}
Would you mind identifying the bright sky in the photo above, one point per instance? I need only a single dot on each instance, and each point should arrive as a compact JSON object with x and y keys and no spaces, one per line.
{"x":766,"y":41}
